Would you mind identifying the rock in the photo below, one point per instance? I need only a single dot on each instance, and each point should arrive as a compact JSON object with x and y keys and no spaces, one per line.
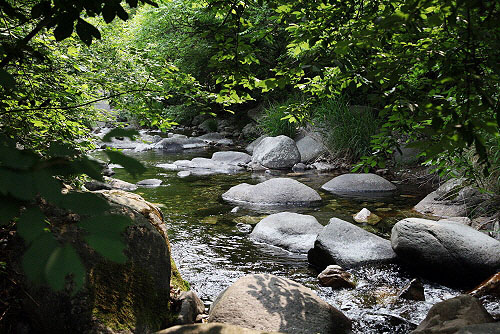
{"x":347,"y":245}
{"x":413,"y":291}
{"x":204,"y":166}
{"x":119,"y":184}
{"x":96,"y":185}
{"x":487,"y":328}
{"x":215,"y":138}
{"x":198,"y":119}
{"x":235,"y":209}
{"x":408,"y":156}
{"x":254,"y":114}
{"x":191,"y":306}
{"x":151,"y":183}
{"x":244,"y":228}
{"x":451,"y":315}
{"x":323,"y":167}
{"x":277,"y":192}
{"x":108,"y":171}
{"x":250,"y":131}
{"x":365,"y":216}
{"x":299,"y":167}
{"x":184,"y":173}
{"x":232,"y":157}
{"x":335,"y":277}
{"x":143,"y":147}
{"x":209,"y":125}
{"x":462,"y":220}
{"x":309,"y":148}
{"x":450,"y":249}
{"x":179,"y":144}
{"x":288,"y":230}
{"x":214,"y":328}
{"x":276,"y":152}
{"x":271,"y":303}
{"x":254,"y":144}
{"x":108,"y":301}
{"x":490,"y":287}
{"x":359,"y":184}
{"x":452,"y":199}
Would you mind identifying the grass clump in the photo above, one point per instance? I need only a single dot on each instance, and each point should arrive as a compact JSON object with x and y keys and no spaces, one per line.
{"x":346,"y":129}
{"x":274,"y":121}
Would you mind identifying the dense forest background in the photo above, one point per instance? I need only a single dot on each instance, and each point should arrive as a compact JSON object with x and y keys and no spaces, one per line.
{"x":422,"y":74}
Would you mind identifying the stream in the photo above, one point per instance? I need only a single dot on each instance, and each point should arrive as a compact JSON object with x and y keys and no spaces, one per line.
{"x":212,"y":248}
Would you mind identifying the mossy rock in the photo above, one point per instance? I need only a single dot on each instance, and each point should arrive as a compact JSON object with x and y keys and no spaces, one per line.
{"x":116,"y":298}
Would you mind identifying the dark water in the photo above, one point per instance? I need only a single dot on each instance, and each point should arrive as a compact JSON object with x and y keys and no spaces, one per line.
{"x":212,"y":249}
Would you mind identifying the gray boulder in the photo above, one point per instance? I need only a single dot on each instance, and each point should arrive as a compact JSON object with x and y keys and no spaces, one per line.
{"x":251,"y":147}
{"x":289,"y":230}
{"x":176,"y":144}
{"x":271,"y":303}
{"x":359,"y":184}
{"x":487,"y":328}
{"x":447,"y":249}
{"x":347,"y":245}
{"x":276,"y":152}
{"x":151,"y":183}
{"x":215,"y":328}
{"x":232,"y":157}
{"x":309,"y":148}
{"x":277,"y":192}
{"x":452,"y":199}
{"x":119,"y":184}
{"x":250,"y":130}
{"x":449,"y":316}
{"x":215,"y":138}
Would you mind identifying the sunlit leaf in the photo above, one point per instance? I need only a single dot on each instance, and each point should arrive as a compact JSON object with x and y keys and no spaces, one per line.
{"x":62,"y":262}
{"x":131,"y":165}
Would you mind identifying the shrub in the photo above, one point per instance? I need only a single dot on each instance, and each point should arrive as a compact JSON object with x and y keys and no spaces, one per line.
{"x":346,"y":129}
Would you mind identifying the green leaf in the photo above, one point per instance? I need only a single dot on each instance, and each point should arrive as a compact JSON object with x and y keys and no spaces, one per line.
{"x":64,"y":261}
{"x":118,"y":132}
{"x":19,"y":185}
{"x":9,"y":209}
{"x":86,"y":31}
{"x":7,"y":80}
{"x":108,"y":12}
{"x":36,"y":257}
{"x":84,"y":203}
{"x":31,"y":224}
{"x":131,"y":165}
{"x":121,"y":13}
{"x":14,"y":158}
{"x":105,"y":235}
{"x":64,"y":28}
{"x":47,"y":186}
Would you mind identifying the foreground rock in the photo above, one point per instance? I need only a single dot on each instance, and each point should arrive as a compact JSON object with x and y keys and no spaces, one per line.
{"x":451,"y":315}
{"x":251,"y":147}
{"x":452,"y":199}
{"x":271,"y":303}
{"x":277,"y":192}
{"x":276,"y":153}
{"x":413,"y":290}
{"x":347,"y":245}
{"x":119,"y":184}
{"x":291,"y":231}
{"x":228,"y":162}
{"x":150,"y":183}
{"x":488,"y":328}
{"x":359,"y":184}
{"x":447,"y":249}
{"x":112,"y":292}
{"x":214,"y":328}
{"x":335,"y":277}
{"x":365,"y":216}
{"x":191,"y":306}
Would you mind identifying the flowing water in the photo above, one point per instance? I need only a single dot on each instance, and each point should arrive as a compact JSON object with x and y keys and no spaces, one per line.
{"x":212,"y":248}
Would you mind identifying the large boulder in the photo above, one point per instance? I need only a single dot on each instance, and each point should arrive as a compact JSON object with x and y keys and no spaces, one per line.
{"x":309,"y":148}
{"x":347,"y":245}
{"x":359,"y":184}
{"x":292,"y":231}
{"x":276,"y":153}
{"x":452,"y":199}
{"x":176,"y":144}
{"x":446,"y":249}
{"x":449,"y":316}
{"x":487,"y":328}
{"x":116,"y":298}
{"x":232,"y":157}
{"x":251,"y":147}
{"x":277,"y":192}
{"x":214,"y":328}
{"x":271,"y":303}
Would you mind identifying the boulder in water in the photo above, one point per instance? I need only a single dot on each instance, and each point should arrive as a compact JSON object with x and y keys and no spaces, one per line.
{"x":276,"y":153}
{"x":359,"y":184}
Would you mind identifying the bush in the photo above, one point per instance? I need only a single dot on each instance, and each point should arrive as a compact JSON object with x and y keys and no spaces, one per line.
{"x":346,"y":129}
{"x":274,"y":123}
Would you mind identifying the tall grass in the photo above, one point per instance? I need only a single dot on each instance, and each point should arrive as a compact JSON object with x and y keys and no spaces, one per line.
{"x":346,"y":130}
{"x":273,"y":121}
